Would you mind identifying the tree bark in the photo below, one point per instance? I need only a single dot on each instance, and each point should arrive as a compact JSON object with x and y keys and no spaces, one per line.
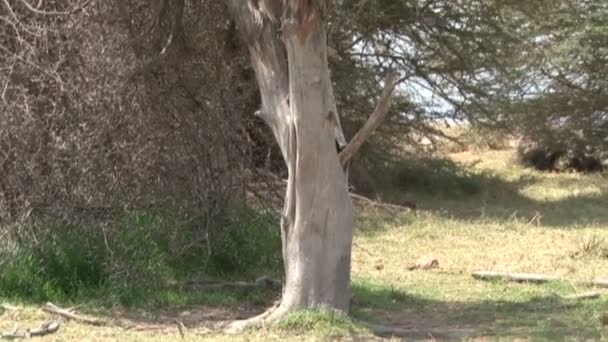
{"x":319,"y":232}
{"x":287,"y":43}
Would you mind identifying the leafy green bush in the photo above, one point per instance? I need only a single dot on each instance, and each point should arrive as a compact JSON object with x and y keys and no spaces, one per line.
{"x":136,"y":254}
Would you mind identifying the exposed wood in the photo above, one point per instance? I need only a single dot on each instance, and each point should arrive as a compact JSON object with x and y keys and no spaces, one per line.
{"x":45,"y":329}
{"x":287,"y":41}
{"x":321,"y":219}
{"x":515,"y":277}
{"x":182,"y":329}
{"x":373,"y":121}
{"x":235,"y":327}
{"x":600,"y":283}
{"x":540,"y":278}
{"x":54,"y":309}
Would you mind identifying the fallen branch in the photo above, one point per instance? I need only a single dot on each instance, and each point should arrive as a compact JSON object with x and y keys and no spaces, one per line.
{"x":514,"y":277}
{"x":69,"y":314}
{"x":182,"y":328}
{"x":531,"y":278}
{"x":600,"y":283}
{"x":373,"y":121}
{"x":45,"y":329}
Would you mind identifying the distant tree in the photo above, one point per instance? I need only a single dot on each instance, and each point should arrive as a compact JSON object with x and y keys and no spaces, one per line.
{"x":569,"y":64}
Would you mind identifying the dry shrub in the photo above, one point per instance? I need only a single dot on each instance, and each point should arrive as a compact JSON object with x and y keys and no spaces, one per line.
{"x":123,"y":104}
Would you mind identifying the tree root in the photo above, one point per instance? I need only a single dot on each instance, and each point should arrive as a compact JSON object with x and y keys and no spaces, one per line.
{"x":271,"y":315}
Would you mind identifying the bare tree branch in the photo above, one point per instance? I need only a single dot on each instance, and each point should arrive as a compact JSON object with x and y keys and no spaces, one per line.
{"x":374,"y":120}
{"x":37,"y":11}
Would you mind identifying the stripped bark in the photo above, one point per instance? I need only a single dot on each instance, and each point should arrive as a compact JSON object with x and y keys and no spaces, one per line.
{"x":288,"y":48}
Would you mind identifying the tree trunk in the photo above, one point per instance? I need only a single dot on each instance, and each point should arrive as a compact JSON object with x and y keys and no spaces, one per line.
{"x":319,"y":235}
{"x":298,"y":104}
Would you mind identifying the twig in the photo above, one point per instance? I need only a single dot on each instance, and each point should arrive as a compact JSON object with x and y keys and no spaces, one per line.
{"x":373,"y":121}
{"x":45,"y":329}
{"x":37,"y":11}
{"x":8,"y":79}
{"x":181,"y":328}
{"x":54,"y":309}
{"x":536,"y":218}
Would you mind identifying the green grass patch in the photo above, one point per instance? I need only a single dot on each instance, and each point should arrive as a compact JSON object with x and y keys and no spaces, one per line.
{"x":480,"y":211}
{"x":318,"y":323}
{"x":132,"y":260}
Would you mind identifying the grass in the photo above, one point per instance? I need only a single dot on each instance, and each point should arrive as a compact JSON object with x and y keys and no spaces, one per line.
{"x":508,"y":219}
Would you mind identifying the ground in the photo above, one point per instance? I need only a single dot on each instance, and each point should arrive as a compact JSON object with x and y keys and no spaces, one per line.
{"x":519,"y":221}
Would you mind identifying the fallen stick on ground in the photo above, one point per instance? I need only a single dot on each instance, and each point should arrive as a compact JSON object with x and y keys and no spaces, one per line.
{"x":45,"y":329}
{"x":54,"y":309}
{"x":541,"y":278}
{"x":515,"y":277}
{"x":182,"y":328}
{"x":600,"y":283}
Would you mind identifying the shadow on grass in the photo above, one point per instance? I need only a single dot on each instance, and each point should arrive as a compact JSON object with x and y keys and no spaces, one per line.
{"x":456,"y":191}
{"x":546,"y":317}
{"x":543,"y":317}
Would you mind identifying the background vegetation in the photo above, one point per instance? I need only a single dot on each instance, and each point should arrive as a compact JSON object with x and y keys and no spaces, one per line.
{"x":131,"y":165}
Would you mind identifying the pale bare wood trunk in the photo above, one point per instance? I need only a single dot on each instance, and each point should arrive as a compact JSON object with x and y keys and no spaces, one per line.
{"x":319,"y":239}
{"x":298,"y":104}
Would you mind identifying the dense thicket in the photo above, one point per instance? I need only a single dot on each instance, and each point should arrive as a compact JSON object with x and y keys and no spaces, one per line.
{"x":110,"y":108}
{"x":122,"y":104}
